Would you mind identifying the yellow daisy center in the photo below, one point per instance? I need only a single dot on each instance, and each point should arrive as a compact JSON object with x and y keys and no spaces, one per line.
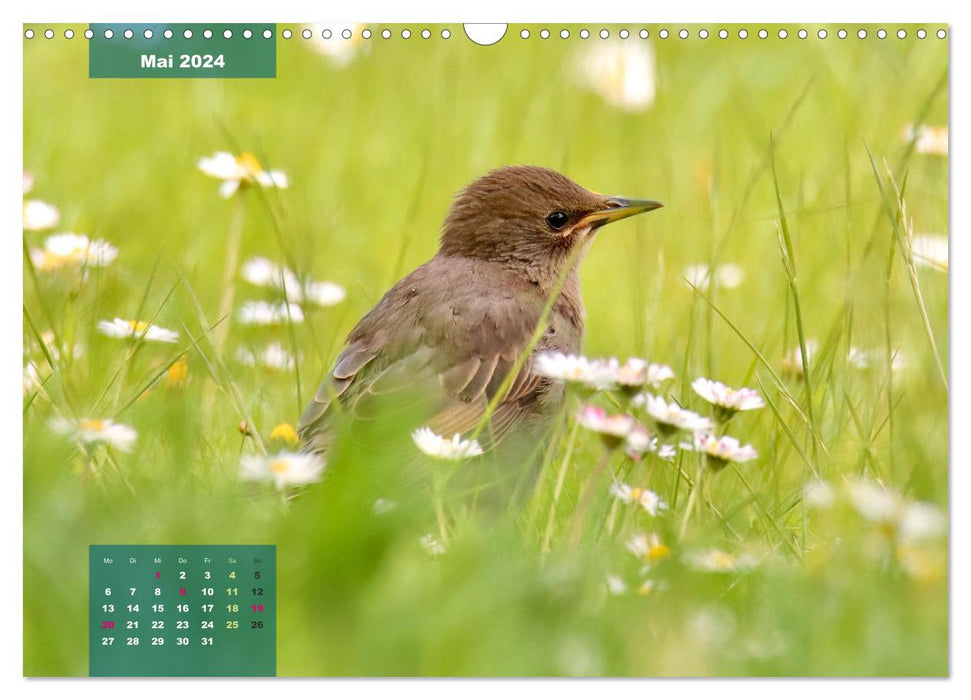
{"x":278,"y":466}
{"x":658,"y":551}
{"x":138,"y":326}
{"x":721,"y":560}
{"x":635,"y":494}
{"x":92,"y":425}
{"x":248,"y":162}
{"x":51,"y":261}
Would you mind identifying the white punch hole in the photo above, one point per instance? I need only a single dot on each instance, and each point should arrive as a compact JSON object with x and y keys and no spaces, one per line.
{"x":485,"y":34}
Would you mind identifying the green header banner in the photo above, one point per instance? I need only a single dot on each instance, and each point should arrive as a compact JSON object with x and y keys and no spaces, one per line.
{"x":182,"y":51}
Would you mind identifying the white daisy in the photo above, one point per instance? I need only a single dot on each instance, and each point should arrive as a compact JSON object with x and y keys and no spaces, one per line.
{"x":263,"y":272}
{"x":622,"y":73}
{"x":284,"y":468}
{"x":436,"y":446}
{"x":726,"y":275}
{"x":382,"y":506}
{"x":240,"y":171}
{"x":631,"y":374}
{"x":898,"y":362}
{"x":671,"y":417}
{"x":40,"y":215}
{"x":53,"y":349}
{"x":721,"y":450}
{"x":645,"y":498}
{"x":910,"y":521}
{"x":658,"y":374}
{"x":596,"y":419}
{"x":120,"y":328}
{"x":613,"y":430}
{"x":928,"y":139}
{"x":569,"y":368}
{"x":873,"y":501}
{"x":90,"y":431}
{"x":33,"y":381}
{"x":930,"y":250}
{"x":792,"y":362}
{"x":635,"y":373}
{"x":324,"y":293}
{"x":726,"y":400}
{"x":616,"y":585}
{"x":857,"y":358}
{"x":819,"y":494}
{"x":274,"y":356}
{"x":861,"y":359}
{"x":650,"y":548}
{"x":921,"y":521}
{"x":264,"y":313}
{"x":719,"y":561}
{"x":666,"y":452}
{"x":70,"y":250}
{"x":431,"y":544}
{"x":639,"y":442}
{"x":603,"y":374}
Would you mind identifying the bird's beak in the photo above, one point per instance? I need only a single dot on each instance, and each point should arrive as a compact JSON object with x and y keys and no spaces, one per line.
{"x":618,"y":208}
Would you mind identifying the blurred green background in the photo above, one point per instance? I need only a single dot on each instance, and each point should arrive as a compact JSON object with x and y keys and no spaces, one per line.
{"x":375,"y":143}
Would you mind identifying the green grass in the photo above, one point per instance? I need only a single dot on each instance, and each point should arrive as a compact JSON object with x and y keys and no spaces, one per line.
{"x":785,"y":157}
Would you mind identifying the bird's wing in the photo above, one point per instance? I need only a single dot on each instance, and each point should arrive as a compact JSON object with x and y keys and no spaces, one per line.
{"x":457,"y":339}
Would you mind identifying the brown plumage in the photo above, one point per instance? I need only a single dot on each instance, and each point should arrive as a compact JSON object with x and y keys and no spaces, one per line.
{"x":462,"y":319}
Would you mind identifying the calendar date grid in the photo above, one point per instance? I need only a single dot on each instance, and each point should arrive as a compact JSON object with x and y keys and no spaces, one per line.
{"x":200,"y":611}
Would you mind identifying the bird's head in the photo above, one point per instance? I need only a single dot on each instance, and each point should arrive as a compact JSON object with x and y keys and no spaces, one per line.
{"x":530,"y":217}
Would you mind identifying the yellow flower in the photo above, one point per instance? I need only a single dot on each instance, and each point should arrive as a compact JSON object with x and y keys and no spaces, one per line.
{"x":176,"y":375}
{"x":658,"y":552}
{"x":286,"y":433}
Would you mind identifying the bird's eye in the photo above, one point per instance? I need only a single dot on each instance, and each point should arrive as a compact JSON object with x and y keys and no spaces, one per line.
{"x":557,"y":220}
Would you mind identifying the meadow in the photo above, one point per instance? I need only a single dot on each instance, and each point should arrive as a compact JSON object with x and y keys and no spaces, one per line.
{"x":786,"y":168}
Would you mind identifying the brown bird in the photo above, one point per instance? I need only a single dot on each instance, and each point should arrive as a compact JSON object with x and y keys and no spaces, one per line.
{"x":464,"y":317}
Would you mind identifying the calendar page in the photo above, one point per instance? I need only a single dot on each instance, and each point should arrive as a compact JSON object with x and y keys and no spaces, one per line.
{"x":493,"y":350}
